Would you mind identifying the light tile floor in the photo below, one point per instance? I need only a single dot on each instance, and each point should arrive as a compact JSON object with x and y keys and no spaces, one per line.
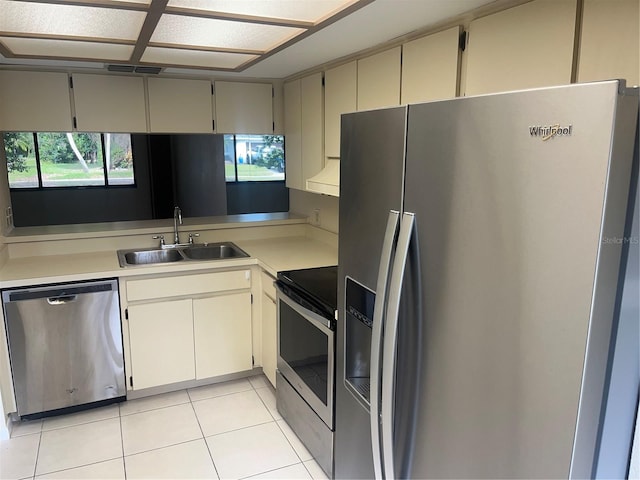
{"x":227,"y":430}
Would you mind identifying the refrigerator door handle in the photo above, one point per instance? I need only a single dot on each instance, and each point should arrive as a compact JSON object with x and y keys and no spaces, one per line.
{"x":388,"y":250}
{"x":391,"y":341}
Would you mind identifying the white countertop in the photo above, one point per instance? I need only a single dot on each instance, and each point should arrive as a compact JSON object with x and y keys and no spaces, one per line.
{"x":147,"y":227}
{"x":274,"y":254}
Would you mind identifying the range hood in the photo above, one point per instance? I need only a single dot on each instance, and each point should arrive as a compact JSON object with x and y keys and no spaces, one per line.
{"x":327,"y":181}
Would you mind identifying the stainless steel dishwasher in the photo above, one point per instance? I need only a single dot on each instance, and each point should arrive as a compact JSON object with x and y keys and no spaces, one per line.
{"x":65,"y":345}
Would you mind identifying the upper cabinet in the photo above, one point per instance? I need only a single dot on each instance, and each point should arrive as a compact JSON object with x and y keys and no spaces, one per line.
{"x":312,"y":125}
{"x":293,"y":134}
{"x":609,"y":41}
{"x":340,"y":96}
{"x":527,"y":46}
{"x":244,"y":107}
{"x":303,"y":129}
{"x":430,"y":67}
{"x":180,"y":106}
{"x":379,"y":80}
{"x":109,"y":103}
{"x":35,"y":101}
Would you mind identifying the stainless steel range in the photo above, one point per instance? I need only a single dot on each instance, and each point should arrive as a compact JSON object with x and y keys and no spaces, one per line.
{"x":307,"y":305}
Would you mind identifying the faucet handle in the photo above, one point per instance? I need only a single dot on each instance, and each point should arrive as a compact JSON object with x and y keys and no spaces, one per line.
{"x":192,"y":236}
{"x":159,"y":237}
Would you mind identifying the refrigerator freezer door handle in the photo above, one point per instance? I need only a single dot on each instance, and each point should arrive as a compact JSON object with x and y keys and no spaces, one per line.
{"x":376,"y":337}
{"x":390,"y":342}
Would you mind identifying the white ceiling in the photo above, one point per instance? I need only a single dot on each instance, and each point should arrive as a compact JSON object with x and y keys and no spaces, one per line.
{"x":376,"y":23}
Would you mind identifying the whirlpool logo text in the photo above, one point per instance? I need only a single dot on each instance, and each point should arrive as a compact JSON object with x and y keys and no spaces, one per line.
{"x":547,"y":132}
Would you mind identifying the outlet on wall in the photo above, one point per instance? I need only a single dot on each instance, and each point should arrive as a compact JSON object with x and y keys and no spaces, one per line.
{"x":9,"y":217}
{"x":315,"y":217}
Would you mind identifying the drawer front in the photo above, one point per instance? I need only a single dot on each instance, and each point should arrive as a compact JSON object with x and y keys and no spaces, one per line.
{"x":180,"y":285}
{"x":267,"y":285}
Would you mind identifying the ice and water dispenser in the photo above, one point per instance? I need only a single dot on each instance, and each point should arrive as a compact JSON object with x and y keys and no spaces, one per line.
{"x":359,"y":322}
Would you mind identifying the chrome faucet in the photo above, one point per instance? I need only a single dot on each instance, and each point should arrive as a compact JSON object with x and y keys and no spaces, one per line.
{"x":177,"y":220}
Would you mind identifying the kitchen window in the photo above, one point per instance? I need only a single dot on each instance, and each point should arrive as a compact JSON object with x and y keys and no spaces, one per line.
{"x":254,"y":158}
{"x":54,"y":159}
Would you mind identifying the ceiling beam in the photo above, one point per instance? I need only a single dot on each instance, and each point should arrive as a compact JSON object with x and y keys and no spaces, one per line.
{"x":200,"y":48}
{"x":66,"y":38}
{"x":97,"y":3}
{"x":156,"y":9}
{"x":236,"y":17}
{"x":340,"y":15}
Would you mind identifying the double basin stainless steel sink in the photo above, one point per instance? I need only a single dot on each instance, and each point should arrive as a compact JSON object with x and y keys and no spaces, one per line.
{"x":195,"y":252}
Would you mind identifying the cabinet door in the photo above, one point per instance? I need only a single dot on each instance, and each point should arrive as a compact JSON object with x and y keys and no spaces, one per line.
{"x":340,"y":87}
{"x":222,"y":332}
{"x":379,"y":80}
{"x":312,"y":123}
{"x":609,"y":42}
{"x":244,"y":107}
{"x":269,"y":337}
{"x":109,"y":103}
{"x":161,"y":342}
{"x":527,"y":46}
{"x":35,"y":101}
{"x":430,"y":67}
{"x":180,"y":106}
{"x":293,"y":134}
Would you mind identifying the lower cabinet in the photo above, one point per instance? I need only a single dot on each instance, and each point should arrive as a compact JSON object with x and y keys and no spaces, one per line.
{"x":269,"y":328}
{"x":161,"y":341}
{"x":222,"y":334}
{"x":269,"y":338}
{"x":204,"y":332}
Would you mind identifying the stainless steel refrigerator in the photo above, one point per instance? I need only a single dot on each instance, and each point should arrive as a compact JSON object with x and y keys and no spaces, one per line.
{"x":482,"y":259}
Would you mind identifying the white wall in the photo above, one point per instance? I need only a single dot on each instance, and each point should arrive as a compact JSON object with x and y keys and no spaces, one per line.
{"x":305,"y":203}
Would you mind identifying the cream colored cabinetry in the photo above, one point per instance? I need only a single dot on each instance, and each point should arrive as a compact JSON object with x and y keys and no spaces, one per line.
{"x":222,"y":333}
{"x":269,"y":328}
{"x":244,"y":107}
{"x":609,"y":42}
{"x":187,"y":327}
{"x":340,"y":96}
{"x":109,"y":103}
{"x":161,"y":343}
{"x":293,"y":134}
{"x":430,"y":67}
{"x":379,"y":80}
{"x":303,"y":129}
{"x":35,"y":101}
{"x":527,"y":46}
{"x":179,"y":105}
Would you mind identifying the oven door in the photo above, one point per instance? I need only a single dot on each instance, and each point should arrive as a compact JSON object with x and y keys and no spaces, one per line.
{"x":306,"y":355}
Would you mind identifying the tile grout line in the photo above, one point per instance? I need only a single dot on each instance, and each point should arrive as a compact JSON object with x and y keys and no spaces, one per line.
{"x":308,"y":471}
{"x":282,"y":431}
{"x":206,"y":444}
{"x":124,"y":461}
{"x":35,"y":465}
{"x":80,"y":466}
{"x":272,"y":470}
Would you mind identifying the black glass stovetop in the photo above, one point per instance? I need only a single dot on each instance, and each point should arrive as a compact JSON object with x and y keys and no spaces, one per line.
{"x":320,"y":284}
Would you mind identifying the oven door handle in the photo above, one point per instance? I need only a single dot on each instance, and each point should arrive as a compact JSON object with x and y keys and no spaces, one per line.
{"x":318,"y":321}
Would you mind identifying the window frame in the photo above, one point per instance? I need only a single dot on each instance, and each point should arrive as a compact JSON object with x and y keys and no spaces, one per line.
{"x":105,"y":173}
{"x":235,"y":160}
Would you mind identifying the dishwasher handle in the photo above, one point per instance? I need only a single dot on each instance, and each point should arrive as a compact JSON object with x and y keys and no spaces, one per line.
{"x":59,"y":294}
{"x":62,"y":300}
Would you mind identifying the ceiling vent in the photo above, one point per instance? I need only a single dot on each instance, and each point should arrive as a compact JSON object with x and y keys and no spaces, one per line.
{"x":151,"y":70}
{"x":133,"y":68}
{"x":120,"y":68}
